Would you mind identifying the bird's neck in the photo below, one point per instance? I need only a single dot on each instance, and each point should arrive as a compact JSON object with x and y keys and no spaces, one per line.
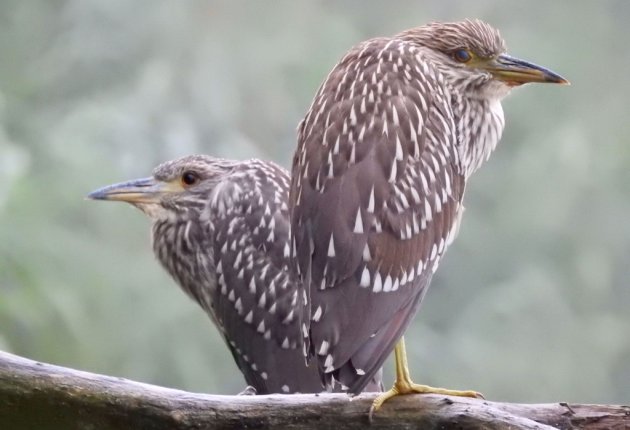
{"x":183,"y":250}
{"x":479,"y":128}
{"x":476,"y":102}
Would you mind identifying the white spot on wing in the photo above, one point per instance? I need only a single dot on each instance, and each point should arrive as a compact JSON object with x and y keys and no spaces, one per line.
{"x":438,"y":204}
{"x":365,"y":277}
{"x":427,"y":210}
{"x":370,"y":207}
{"x":288,"y":318}
{"x":318,"y":314}
{"x":323,"y":348}
{"x":366,"y":253}
{"x":387,"y":285}
{"x":392,"y":174}
{"x":261,"y":327}
{"x":263,"y":300}
{"x":328,"y":363}
{"x":331,"y":246}
{"x":395,"y":115}
{"x":358,"y":222}
{"x":425,"y":184}
{"x":353,"y":116}
{"x":378,"y":283}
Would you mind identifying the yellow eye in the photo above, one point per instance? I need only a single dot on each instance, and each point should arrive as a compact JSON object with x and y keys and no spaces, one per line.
{"x":189,"y":178}
{"x":462,"y":55}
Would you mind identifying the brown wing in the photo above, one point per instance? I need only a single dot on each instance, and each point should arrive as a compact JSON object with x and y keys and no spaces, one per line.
{"x":376,"y":196}
{"x":257,"y":303}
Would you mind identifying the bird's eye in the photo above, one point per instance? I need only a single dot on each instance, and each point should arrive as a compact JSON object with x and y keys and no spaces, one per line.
{"x":189,"y":178}
{"x":462,"y":55}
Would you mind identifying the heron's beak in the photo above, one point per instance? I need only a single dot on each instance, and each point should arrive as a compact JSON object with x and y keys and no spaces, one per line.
{"x":144,"y":190}
{"x":517,"y":72}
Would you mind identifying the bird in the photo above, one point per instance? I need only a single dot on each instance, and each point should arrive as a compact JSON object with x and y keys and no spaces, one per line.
{"x":378,"y":177}
{"x":220,"y":228}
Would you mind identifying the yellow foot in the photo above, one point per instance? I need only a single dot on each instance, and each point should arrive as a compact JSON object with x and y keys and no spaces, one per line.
{"x":405,"y":387}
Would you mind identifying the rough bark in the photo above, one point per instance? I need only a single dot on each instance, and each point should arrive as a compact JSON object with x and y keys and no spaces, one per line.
{"x":42,"y":396}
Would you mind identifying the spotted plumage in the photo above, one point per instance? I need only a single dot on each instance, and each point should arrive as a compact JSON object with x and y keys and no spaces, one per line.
{"x":378,"y":181}
{"x":236,"y":270}
{"x":220,"y":228}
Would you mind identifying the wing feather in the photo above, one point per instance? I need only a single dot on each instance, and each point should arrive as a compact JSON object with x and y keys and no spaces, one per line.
{"x":257,"y":302}
{"x":379,"y":143}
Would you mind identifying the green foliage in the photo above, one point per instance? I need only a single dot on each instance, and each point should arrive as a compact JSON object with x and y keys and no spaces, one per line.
{"x":531,"y":303}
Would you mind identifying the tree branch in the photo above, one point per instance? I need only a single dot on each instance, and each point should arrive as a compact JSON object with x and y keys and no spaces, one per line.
{"x":43,"y":396}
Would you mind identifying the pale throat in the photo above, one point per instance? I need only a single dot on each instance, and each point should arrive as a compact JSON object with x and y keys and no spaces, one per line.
{"x":479,"y":127}
{"x":476,"y":101}
{"x":156,"y":212}
{"x":174,"y":243}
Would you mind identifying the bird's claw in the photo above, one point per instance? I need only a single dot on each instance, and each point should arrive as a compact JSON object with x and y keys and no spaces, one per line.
{"x":408,"y":387}
{"x":248,"y":391}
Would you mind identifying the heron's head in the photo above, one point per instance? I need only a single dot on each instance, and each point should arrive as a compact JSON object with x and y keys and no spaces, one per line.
{"x":177,"y":189}
{"x":472,"y":56}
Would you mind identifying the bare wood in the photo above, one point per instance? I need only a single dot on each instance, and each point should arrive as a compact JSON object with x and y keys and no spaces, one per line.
{"x":43,"y":396}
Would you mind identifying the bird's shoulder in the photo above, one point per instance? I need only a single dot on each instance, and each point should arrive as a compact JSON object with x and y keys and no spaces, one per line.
{"x":383,"y":95}
{"x":382,"y":123}
{"x":248,"y":208}
{"x":250,"y":227}
{"x":377,"y":178}
{"x":377,"y":70}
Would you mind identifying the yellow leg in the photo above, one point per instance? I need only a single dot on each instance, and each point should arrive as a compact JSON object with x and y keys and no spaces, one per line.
{"x":404,"y":384}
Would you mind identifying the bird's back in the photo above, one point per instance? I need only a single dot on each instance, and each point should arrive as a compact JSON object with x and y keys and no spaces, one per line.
{"x":376,"y":196}
{"x":257,"y":302}
{"x":241,"y":277}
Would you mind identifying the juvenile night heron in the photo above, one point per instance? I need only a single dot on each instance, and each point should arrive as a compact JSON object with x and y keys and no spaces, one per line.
{"x":221,"y":230}
{"x":383,"y":157}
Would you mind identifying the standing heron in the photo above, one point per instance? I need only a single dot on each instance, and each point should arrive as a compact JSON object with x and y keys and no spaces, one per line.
{"x":221,"y":230}
{"x":384,"y":154}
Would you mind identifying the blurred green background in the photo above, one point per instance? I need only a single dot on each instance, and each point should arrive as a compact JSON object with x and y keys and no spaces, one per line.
{"x":532,"y":303}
